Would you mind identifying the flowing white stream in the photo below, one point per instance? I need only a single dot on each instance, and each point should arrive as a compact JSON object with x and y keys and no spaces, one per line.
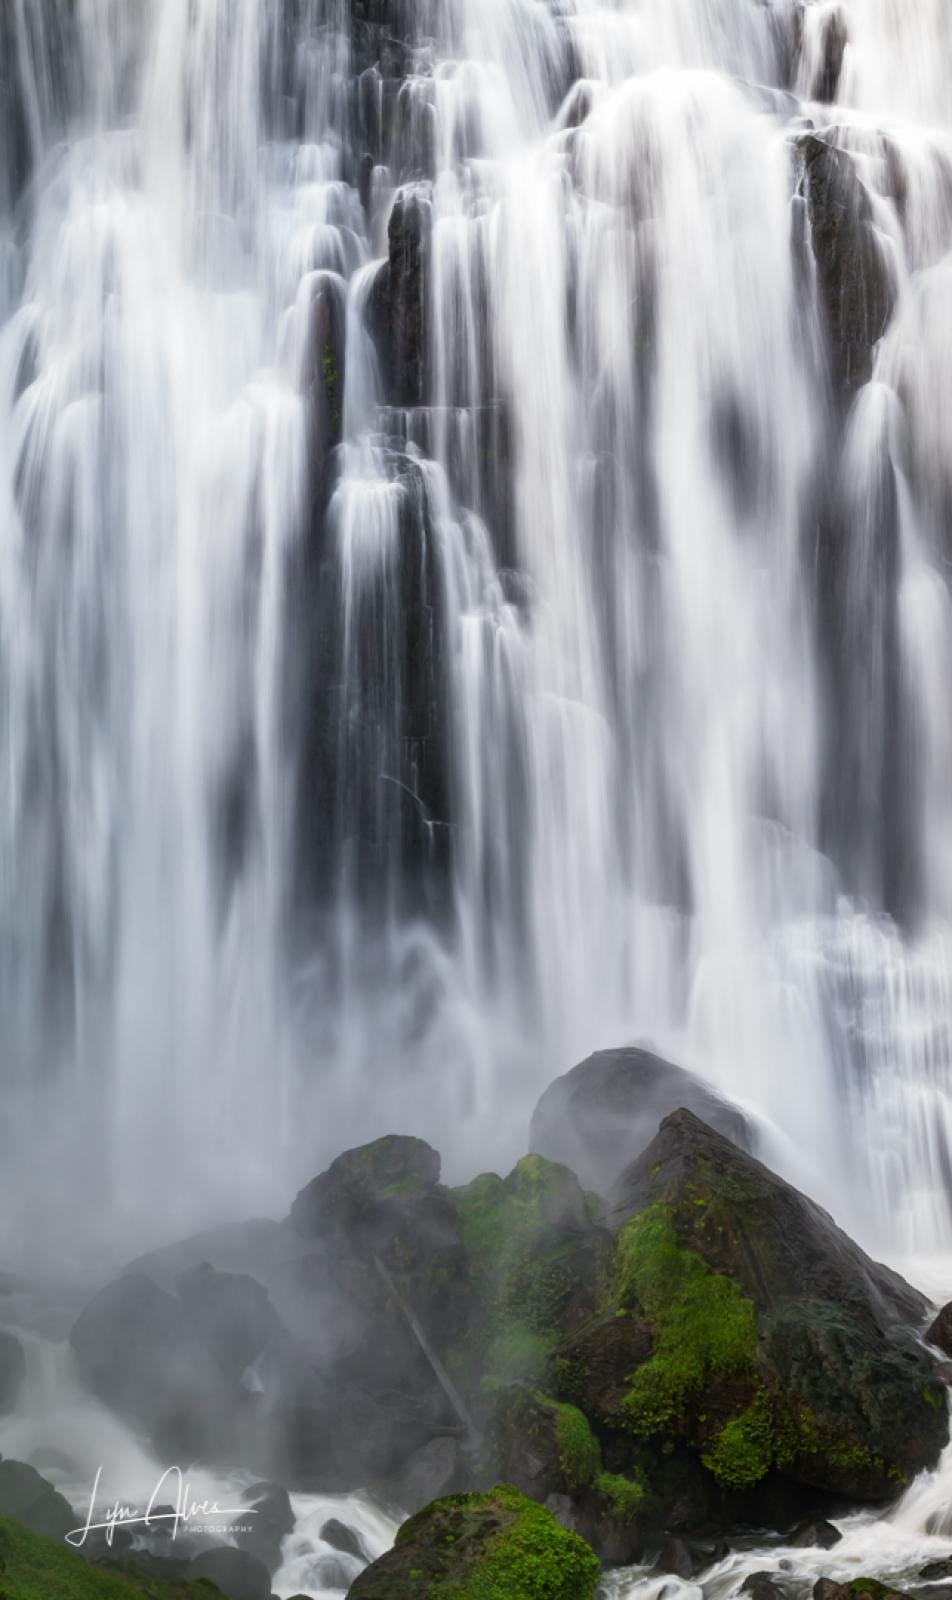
{"x":374,"y":744}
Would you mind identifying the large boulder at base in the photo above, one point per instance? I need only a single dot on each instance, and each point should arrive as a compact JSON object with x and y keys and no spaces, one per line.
{"x":12,"y":1370}
{"x":24,"y":1494}
{"x":597,"y":1118}
{"x":748,"y":1363}
{"x":138,"y":1350}
{"x":855,"y":281}
{"x":495,"y":1546}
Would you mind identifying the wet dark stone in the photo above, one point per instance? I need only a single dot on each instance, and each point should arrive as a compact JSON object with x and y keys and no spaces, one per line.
{"x":599,"y":1116}
{"x":340,"y":1537}
{"x":816,"y":1535}
{"x":856,"y":286}
{"x":939,"y":1331}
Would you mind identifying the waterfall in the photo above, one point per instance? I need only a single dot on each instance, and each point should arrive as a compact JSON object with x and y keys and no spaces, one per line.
{"x":474,"y":582}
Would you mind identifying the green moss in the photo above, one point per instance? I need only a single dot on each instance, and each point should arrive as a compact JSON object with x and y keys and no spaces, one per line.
{"x":872,"y":1587}
{"x":624,"y":1495}
{"x":743,"y":1451}
{"x":520,"y":1287}
{"x":580,"y":1456}
{"x":801,"y":1434}
{"x":34,"y":1568}
{"x":510,"y":1549}
{"x":701,"y":1323}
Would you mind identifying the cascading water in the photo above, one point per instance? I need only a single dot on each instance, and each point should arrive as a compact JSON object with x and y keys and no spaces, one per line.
{"x":418,"y":672}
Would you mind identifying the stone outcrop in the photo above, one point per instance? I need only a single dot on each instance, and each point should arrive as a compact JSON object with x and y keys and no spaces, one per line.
{"x":599,"y":1116}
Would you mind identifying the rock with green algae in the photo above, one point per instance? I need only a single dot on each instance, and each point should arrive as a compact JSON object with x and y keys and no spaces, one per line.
{"x":494,"y":1546}
{"x":33,"y":1567}
{"x":745,"y":1332}
{"x":857,"y":1589}
{"x":747,"y":1363}
{"x":537,"y":1263}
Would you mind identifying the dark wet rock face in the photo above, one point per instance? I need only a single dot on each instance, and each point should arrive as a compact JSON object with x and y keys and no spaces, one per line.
{"x":600,"y":1116}
{"x":855,"y":284}
{"x":940,"y":1330}
{"x":399,"y":304}
{"x":479,"y":1545}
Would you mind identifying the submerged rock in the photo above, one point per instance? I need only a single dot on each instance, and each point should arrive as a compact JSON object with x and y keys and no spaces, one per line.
{"x":481,"y":1545}
{"x":816,"y":1535}
{"x":340,"y":1537}
{"x":601,"y":1115}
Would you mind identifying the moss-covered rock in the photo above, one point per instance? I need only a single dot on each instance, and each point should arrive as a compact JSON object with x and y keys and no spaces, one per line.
{"x":495,"y":1546}
{"x":767,"y":1343}
{"x":36,"y":1568}
{"x":536,"y":1262}
{"x":746,"y":1362}
{"x":543,"y":1446}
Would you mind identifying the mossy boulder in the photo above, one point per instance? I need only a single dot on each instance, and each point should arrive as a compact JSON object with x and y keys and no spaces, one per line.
{"x":494,"y":1546}
{"x":33,"y":1567}
{"x":537,"y":1263}
{"x":746,"y":1363}
{"x":778,"y":1344}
